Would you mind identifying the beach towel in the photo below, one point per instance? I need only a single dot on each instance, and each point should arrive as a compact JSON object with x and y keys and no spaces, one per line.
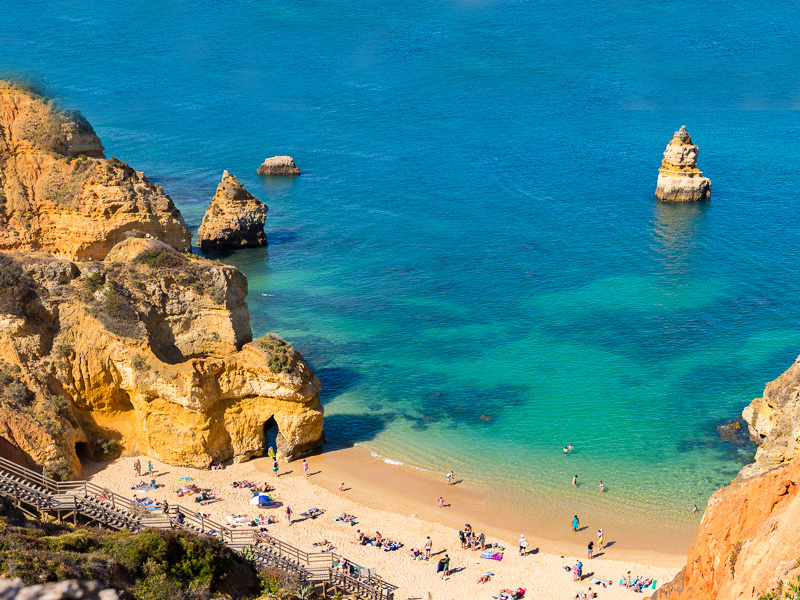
{"x":487,"y":554}
{"x":497,"y":556}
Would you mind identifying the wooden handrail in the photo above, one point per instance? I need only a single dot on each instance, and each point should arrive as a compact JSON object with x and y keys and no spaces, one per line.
{"x":38,"y":490}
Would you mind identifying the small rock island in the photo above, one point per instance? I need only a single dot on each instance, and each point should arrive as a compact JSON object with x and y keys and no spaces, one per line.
{"x":234,"y":218}
{"x":679,"y":179}
{"x":278,"y":165}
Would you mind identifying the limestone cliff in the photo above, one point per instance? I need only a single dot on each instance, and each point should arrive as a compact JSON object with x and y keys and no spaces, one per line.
{"x":150,"y":351}
{"x":59,"y":194}
{"x":748,"y":545}
{"x":278,"y":165}
{"x":774,"y":421}
{"x":679,"y":179}
{"x":234,"y":218}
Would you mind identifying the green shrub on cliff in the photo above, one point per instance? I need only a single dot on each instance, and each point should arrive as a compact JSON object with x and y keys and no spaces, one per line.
{"x":280,"y":354}
{"x":160,"y":260}
{"x":150,"y":565}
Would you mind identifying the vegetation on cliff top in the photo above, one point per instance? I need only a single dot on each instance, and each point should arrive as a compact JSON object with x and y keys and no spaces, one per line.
{"x":280,"y":354}
{"x":149,"y":565}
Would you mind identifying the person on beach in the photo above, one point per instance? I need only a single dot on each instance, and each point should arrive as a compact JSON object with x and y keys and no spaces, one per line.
{"x":695,"y":509}
{"x":428,"y":547}
{"x":602,"y":487}
{"x":288,"y":515}
{"x":446,"y":567}
{"x":575,"y":523}
{"x":275,"y":467}
{"x":523,"y":543}
{"x":149,"y":467}
{"x":482,"y":540}
{"x":449,"y":478}
{"x":575,"y":481}
{"x":441,"y":502}
{"x":600,"y":540}
{"x":165,"y":507}
{"x":305,"y":467}
{"x":137,"y":467}
{"x":341,"y":487}
{"x":590,"y":549}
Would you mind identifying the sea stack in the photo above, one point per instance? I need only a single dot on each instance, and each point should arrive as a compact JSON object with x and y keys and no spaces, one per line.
{"x":679,"y":179}
{"x":278,"y":165}
{"x":234,"y":218}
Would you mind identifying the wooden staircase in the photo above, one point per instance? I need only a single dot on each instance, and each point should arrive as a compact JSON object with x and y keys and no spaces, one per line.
{"x":87,"y":503}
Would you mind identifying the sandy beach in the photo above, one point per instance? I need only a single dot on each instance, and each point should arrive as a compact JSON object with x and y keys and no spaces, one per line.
{"x":373,"y":492}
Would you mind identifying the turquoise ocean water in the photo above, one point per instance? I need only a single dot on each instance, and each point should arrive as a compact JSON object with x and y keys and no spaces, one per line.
{"x":473,"y":260}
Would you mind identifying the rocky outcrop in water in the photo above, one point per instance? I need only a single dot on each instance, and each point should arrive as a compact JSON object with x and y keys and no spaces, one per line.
{"x":59,"y":194}
{"x":149,"y":349}
{"x":278,"y":165}
{"x":679,"y":179}
{"x":234,"y":218}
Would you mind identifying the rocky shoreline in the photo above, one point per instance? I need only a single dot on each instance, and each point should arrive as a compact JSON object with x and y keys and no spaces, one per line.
{"x":113,"y":336}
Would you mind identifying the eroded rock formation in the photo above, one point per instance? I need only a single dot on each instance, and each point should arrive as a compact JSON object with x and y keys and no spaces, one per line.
{"x":748,"y":545}
{"x":278,"y":165}
{"x":774,"y":421}
{"x":151,"y":353}
{"x":111,"y":337}
{"x":59,"y":194}
{"x":234,"y":218}
{"x":679,"y":179}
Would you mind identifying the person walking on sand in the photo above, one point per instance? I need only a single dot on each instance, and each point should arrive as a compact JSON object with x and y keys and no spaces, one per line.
{"x":590,"y":548}
{"x":575,"y":481}
{"x":523,"y":543}
{"x":275,"y":467}
{"x":602,"y":487}
{"x":449,"y":478}
{"x":288,"y":515}
{"x":575,"y":523}
{"x":305,"y":467}
{"x":600,"y":540}
{"x":428,"y":547}
{"x":441,"y":502}
{"x":446,"y":567}
{"x":137,"y":467}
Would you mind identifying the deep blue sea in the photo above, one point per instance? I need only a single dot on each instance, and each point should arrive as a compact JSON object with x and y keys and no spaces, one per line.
{"x":473,"y":260}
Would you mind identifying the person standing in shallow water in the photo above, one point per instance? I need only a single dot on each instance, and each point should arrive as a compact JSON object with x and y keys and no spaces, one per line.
{"x":449,"y":478}
{"x":575,"y":481}
{"x":602,"y":487}
{"x":575,"y":523}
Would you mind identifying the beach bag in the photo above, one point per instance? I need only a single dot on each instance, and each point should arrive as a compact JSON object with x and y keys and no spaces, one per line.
{"x":440,"y":566}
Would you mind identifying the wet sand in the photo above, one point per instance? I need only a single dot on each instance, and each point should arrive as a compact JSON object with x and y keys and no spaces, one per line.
{"x":400,"y":502}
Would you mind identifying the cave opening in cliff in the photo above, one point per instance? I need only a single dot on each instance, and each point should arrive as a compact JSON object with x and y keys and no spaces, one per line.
{"x":82,"y":450}
{"x":270,"y":434}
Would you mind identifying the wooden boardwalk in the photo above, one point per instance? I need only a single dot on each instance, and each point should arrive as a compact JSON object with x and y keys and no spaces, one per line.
{"x":87,"y":503}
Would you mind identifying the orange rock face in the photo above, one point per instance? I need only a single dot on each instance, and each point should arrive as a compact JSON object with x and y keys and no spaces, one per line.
{"x":59,"y":194}
{"x":748,"y":542}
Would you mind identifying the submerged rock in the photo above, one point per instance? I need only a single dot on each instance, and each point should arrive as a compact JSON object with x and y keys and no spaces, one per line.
{"x":278,"y":165}
{"x":679,"y":179}
{"x":234,"y":218}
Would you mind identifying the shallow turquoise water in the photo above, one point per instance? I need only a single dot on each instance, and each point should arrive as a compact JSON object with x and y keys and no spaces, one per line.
{"x":473,"y":260}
